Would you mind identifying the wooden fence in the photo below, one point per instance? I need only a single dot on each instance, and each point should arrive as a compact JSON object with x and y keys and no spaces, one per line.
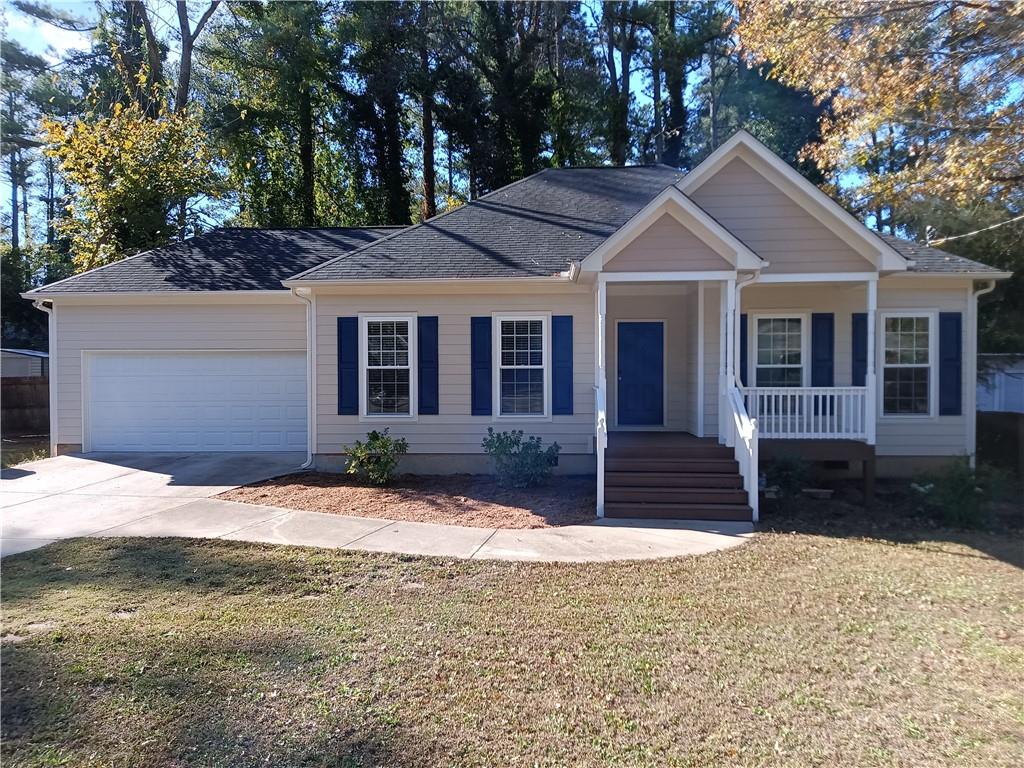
{"x":24,"y":405}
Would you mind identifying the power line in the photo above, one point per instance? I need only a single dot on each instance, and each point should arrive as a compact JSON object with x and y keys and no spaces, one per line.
{"x":929,"y":241}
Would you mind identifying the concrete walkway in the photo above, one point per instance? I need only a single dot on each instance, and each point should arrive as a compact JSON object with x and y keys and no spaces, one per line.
{"x":143,"y":496}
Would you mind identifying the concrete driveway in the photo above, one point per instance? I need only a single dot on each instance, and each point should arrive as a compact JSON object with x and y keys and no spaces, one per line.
{"x":77,"y":495}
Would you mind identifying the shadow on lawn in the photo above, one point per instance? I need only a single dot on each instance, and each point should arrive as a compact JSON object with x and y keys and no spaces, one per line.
{"x":196,"y":699}
{"x":895,"y":518}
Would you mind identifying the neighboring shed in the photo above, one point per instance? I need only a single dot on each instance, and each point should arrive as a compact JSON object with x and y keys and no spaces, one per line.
{"x":1001,"y":383}
{"x":23,"y":363}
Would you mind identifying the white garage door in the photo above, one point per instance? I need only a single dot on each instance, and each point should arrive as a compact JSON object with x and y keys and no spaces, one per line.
{"x":195,"y":401}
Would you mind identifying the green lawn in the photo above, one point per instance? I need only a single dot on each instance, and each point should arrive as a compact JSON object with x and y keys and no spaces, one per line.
{"x":820,"y":647}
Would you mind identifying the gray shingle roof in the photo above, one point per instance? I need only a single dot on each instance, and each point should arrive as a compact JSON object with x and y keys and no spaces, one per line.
{"x":230,"y":259}
{"x":532,"y":228}
{"x":935,"y":261}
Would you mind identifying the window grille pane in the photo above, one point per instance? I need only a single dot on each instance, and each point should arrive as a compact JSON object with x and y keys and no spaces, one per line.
{"x":387,"y":391}
{"x":905,"y":390}
{"x":522,"y":391}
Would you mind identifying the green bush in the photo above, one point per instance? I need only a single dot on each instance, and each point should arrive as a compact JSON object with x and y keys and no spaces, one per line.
{"x":788,"y":475}
{"x":520,"y":463}
{"x":958,"y":495}
{"x":375,"y":460}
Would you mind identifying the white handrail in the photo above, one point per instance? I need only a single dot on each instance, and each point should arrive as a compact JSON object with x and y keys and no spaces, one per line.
{"x":601,"y":430}
{"x":744,"y":441}
{"x":810,"y":412}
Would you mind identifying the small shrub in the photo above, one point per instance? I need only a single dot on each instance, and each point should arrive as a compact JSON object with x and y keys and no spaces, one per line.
{"x":376,"y":459}
{"x":788,"y":475}
{"x":958,"y":495}
{"x":520,"y":463}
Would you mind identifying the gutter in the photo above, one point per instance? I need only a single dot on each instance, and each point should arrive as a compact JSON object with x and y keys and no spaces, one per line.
{"x":310,"y":375}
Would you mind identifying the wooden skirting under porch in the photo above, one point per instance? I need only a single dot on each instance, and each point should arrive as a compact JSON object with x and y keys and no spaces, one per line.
{"x":825,"y":450}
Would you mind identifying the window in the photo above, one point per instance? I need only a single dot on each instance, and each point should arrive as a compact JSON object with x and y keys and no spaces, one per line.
{"x":906,"y":366}
{"x":388,"y":366}
{"x":522,"y":366}
{"x":779,"y":352}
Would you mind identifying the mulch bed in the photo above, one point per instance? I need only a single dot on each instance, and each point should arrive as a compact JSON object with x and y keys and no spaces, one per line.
{"x":471,"y":500}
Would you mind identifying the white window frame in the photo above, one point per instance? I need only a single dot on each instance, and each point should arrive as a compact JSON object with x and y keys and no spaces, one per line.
{"x":364,"y":321}
{"x":933,"y":367}
{"x":805,"y":346}
{"x":497,"y":320}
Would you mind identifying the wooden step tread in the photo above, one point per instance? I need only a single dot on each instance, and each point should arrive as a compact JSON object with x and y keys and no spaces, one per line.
{"x":717,"y":466}
{"x":670,"y":452}
{"x":676,"y":495}
{"x":636,"y":510}
{"x":674,"y":479}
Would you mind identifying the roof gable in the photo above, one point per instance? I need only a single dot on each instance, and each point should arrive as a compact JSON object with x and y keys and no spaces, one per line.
{"x":689,"y":216}
{"x":819,"y":206}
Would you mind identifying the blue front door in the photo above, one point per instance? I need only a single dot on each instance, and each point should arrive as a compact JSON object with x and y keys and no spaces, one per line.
{"x":641,"y":374}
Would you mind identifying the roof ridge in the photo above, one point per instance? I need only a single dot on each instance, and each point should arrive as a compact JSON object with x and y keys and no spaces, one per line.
{"x":360,"y":249}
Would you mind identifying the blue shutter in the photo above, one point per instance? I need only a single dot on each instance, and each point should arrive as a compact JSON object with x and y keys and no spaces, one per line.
{"x":743,"y":350}
{"x":561,"y":365}
{"x":480,"y":365}
{"x":348,"y":366}
{"x":427,"y":360}
{"x":859,"y":348}
{"x":950,"y":363}
{"x":823,"y":345}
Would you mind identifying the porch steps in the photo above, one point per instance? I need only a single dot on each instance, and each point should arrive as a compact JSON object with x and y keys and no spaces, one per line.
{"x":672,"y":476}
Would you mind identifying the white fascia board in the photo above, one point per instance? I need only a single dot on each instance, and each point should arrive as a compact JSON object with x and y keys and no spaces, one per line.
{"x":690,"y":216}
{"x":819,"y":205}
{"x":818,"y":277}
{"x":960,"y":275}
{"x":163,"y":297}
{"x":660,"y":277}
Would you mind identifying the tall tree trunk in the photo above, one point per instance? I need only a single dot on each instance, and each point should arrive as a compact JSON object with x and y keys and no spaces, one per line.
{"x":713,"y":96}
{"x":15,"y":234}
{"x":51,"y":203}
{"x":675,"y":85}
{"x":427,"y":127}
{"x":306,"y":156}
{"x":659,"y":131}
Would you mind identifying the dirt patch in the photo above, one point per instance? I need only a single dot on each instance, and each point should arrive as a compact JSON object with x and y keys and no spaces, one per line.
{"x":471,"y":500}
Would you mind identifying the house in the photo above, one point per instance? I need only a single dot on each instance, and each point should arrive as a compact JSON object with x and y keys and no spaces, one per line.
{"x":665,"y":329}
{"x":23,"y":363}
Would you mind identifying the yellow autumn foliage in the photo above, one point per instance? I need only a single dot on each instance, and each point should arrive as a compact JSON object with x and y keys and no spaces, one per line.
{"x":928,"y":97}
{"x":127,"y":170}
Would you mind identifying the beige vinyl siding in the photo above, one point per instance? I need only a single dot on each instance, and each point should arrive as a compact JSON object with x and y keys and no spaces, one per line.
{"x":454,"y":430}
{"x":666,"y":246}
{"x":775,"y":227}
{"x":166,"y":327}
{"x":712,"y":355}
{"x":923,"y":435}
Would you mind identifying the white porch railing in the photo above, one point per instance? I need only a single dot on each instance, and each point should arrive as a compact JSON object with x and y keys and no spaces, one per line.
{"x":742,"y":436}
{"x":809,"y":412}
{"x":601,"y":430}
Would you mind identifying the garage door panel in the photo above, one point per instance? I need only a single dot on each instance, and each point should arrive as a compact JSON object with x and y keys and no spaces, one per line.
{"x":196,"y":401}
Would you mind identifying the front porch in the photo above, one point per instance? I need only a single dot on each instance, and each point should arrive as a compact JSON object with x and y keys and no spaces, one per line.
{"x":693,"y":376}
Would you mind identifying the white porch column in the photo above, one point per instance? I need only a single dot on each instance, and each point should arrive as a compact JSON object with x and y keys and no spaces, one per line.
{"x":729,"y":351}
{"x":723,"y":356}
{"x":601,"y":387}
{"x":870,"y":379}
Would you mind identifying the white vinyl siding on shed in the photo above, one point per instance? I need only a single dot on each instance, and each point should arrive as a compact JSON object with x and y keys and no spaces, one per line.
{"x":453,"y":430}
{"x":202,"y":326}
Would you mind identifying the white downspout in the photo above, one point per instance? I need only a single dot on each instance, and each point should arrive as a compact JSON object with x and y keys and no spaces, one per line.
{"x":310,"y":374}
{"x":51,"y":379}
{"x":971,"y":412}
{"x":738,"y":310}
